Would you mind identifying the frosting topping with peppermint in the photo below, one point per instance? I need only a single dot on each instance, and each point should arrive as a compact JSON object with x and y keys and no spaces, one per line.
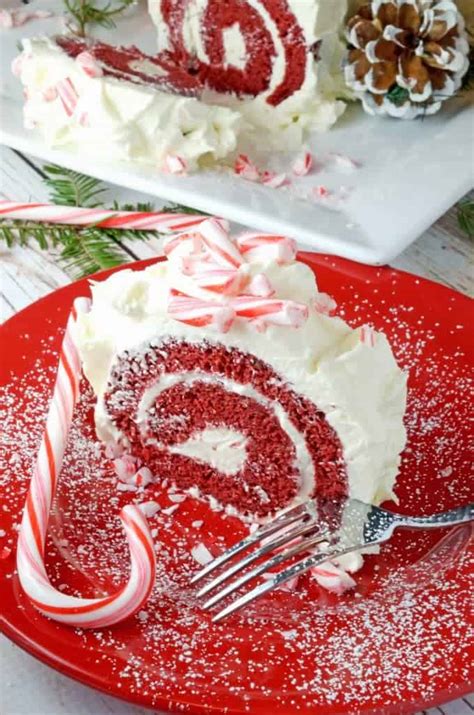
{"x":249,"y":292}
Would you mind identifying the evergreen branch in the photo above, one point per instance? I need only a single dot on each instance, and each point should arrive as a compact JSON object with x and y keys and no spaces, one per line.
{"x":88,"y":251}
{"x":466,"y":216}
{"x":69,"y":188}
{"x":83,"y":249}
{"x":86,"y":12}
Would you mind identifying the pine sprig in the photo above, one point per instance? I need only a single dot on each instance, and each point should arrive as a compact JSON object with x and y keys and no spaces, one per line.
{"x":88,"y":12}
{"x":69,"y":188}
{"x":83,"y":249}
{"x":466,"y":216}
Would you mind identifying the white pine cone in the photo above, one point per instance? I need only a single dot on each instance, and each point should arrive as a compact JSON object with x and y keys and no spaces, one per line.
{"x":406,"y":57}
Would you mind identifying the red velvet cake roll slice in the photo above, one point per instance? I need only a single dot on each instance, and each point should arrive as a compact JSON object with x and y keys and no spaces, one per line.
{"x":117,"y":103}
{"x":223,"y":371}
{"x":283,"y":55}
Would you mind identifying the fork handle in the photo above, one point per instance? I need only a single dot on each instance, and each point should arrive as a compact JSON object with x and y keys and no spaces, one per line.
{"x":461,"y":515}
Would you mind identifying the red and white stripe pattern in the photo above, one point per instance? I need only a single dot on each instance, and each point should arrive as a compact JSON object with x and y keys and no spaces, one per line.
{"x":217,"y":263}
{"x":74,"y":611}
{"x":245,"y":168}
{"x":271,"y":310}
{"x":174,"y":164}
{"x":200,"y":313}
{"x":68,"y":95}
{"x":276,"y":40}
{"x":274,"y":180}
{"x":226,"y":281}
{"x":265,"y":247}
{"x":219,"y":244}
{"x":76,"y":216}
{"x":191,"y":242}
{"x":333,"y":578}
{"x":89,"y":64}
{"x":303,"y":164}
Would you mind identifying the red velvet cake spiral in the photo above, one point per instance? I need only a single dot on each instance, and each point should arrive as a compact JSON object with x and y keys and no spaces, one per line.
{"x":263,"y":46}
{"x":170,"y":392}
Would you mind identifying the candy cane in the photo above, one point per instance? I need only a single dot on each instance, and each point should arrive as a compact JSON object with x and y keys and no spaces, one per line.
{"x":189,"y":243}
{"x":194,"y":311}
{"x":89,"y":64}
{"x":246,"y":169}
{"x":103,"y":218}
{"x":278,"y":312}
{"x":219,"y":244}
{"x":174,"y":164}
{"x":264,"y":247}
{"x":67,"y":95}
{"x":225,"y":281}
{"x":303,"y":164}
{"x":274,"y":180}
{"x":84,"y":612}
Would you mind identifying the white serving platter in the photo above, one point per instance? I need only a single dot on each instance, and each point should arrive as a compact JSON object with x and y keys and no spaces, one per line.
{"x":410,"y":172}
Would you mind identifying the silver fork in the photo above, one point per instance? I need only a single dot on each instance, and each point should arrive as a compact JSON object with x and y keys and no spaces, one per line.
{"x":298,"y":530}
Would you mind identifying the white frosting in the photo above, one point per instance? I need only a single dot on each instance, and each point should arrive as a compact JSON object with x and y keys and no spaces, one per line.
{"x":118,"y":119}
{"x":315,"y":105}
{"x":360,"y":388}
{"x":234,"y":47}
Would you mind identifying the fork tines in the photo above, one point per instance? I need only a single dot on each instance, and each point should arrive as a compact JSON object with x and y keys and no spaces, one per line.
{"x":293,"y":532}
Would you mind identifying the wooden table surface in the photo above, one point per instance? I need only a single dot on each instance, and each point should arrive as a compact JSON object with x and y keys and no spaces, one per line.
{"x":443,"y":254}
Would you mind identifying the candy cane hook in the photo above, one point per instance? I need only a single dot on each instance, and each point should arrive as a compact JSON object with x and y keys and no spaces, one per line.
{"x":84,"y":612}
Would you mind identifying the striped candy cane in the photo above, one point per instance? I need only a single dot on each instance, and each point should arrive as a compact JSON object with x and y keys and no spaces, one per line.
{"x":84,"y":612}
{"x":303,"y":164}
{"x":68,"y":95}
{"x":264,"y":247}
{"x":89,"y":64}
{"x":270,"y":310}
{"x":188,"y":243}
{"x":194,"y":311}
{"x":219,"y":244}
{"x":103,"y":218}
{"x":226,"y":281}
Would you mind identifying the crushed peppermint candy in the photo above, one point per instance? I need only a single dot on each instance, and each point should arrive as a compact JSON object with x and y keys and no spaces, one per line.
{"x":201,"y":554}
{"x":303,"y":164}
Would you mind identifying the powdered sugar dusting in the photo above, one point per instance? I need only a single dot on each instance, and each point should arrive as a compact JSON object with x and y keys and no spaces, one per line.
{"x":399,"y":636}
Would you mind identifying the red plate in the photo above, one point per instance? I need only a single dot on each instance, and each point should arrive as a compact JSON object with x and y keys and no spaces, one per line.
{"x":395,"y":644}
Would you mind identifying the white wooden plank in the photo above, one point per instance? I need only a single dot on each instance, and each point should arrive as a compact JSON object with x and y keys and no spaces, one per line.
{"x":440,"y":256}
{"x":18,"y":181}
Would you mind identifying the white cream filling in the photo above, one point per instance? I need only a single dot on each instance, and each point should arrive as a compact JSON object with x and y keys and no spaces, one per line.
{"x":303,"y":461}
{"x":193,"y":34}
{"x":234,"y":47}
{"x":223,"y":449}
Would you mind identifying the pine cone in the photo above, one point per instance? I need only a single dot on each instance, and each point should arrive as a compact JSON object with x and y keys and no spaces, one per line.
{"x":406,"y":57}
